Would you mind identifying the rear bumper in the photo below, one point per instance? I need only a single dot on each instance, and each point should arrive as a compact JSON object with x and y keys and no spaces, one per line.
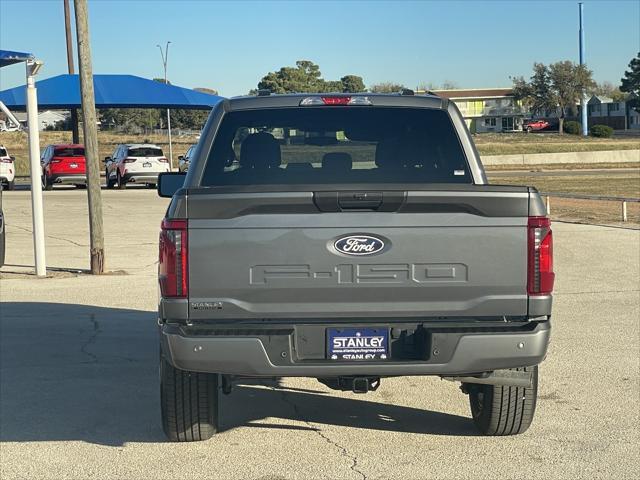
{"x":68,"y":178}
{"x":141,"y":177}
{"x":251,"y":353}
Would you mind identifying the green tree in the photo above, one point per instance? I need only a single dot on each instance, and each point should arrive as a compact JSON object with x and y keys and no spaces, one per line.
{"x":556,"y":87}
{"x":331,"y":86}
{"x":630,"y":83}
{"x":305,"y":77}
{"x":568,"y":81}
{"x":352,"y":84}
{"x":386,"y":87}
{"x":210,"y":91}
{"x":608,"y":89}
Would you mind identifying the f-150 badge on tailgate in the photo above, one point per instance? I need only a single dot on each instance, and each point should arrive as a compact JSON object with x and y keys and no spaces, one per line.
{"x":358,"y":245}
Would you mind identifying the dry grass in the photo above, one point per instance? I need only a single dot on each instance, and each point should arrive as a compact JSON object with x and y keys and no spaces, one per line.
{"x":487,"y":143}
{"x":16,"y":143}
{"x":594,"y":212}
{"x":623,"y":184}
{"x":515,"y":143}
{"x":561,"y":166}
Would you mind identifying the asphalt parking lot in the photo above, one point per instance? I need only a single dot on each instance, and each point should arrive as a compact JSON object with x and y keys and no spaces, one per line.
{"x":79,"y":389}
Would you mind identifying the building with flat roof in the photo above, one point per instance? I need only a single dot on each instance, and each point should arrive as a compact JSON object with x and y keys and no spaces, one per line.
{"x":487,"y":109}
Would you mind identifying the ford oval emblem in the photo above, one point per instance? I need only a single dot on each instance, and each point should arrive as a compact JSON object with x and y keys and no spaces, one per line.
{"x":359,"y":245}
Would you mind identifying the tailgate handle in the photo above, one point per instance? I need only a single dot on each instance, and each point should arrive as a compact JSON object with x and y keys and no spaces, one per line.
{"x":388,"y":201}
{"x":359,"y":200}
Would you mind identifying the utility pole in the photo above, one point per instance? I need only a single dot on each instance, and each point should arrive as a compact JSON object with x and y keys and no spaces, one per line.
{"x":165,"y":59}
{"x":67,"y":28}
{"x":583,"y":104}
{"x":90,"y":137}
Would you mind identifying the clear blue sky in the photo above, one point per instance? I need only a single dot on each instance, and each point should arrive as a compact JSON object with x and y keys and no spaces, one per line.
{"x":229,"y":46}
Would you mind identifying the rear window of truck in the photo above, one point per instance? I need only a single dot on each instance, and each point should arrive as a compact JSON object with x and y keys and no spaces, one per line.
{"x":327,"y":145}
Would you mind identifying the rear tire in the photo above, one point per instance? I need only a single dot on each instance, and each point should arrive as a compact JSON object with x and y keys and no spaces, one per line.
{"x":110,"y":183}
{"x":11,"y":185}
{"x":121,"y":183}
{"x":189,"y":402}
{"x":46,"y":184}
{"x":498,"y":410}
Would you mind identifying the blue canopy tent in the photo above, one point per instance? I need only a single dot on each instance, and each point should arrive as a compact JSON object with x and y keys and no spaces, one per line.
{"x":8,"y":57}
{"x":112,"y":91}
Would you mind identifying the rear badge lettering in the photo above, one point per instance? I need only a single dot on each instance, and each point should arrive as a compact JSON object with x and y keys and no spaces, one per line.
{"x":359,"y":245}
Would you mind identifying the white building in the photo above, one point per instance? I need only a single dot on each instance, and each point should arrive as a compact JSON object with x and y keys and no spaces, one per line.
{"x":603,"y":110}
{"x":487,"y":109}
{"x":46,"y":118}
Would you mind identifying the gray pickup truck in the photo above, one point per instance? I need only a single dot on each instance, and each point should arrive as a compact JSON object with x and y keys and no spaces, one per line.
{"x":349,"y":238}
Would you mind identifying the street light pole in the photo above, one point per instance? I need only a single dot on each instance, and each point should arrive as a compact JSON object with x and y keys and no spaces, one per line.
{"x":34,"y":162}
{"x":583,"y":105}
{"x":165,"y":59}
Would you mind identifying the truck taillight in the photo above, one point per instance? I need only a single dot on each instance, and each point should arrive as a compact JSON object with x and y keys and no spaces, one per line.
{"x":129,"y":160}
{"x":540,"y":256}
{"x":6,"y":160}
{"x":173,"y":272}
{"x":163,"y":160}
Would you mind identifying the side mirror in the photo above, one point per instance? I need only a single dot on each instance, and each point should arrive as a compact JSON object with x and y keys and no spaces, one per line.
{"x":181,"y":158}
{"x":107,"y":159}
{"x":169,"y":183}
{"x":13,"y":159}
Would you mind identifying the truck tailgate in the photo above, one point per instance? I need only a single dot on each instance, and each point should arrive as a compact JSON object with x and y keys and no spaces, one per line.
{"x":272,"y":255}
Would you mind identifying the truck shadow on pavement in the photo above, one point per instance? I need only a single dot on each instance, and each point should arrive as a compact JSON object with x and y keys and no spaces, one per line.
{"x":88,"y":373}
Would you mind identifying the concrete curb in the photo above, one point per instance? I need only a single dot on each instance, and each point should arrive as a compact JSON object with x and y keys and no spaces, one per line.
{"x":605,"y":156}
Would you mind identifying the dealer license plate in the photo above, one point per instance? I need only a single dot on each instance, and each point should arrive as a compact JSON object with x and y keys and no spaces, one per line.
{"x":356,"y":344}
{"x":73,"y":165}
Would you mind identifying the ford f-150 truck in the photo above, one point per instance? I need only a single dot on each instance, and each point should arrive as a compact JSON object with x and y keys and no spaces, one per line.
{"x":349,"y":238}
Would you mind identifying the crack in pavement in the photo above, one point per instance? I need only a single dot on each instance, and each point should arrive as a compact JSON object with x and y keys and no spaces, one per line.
{"x":343,"y":451}
{"x":52,"y":236}
{"x":92,"y":339}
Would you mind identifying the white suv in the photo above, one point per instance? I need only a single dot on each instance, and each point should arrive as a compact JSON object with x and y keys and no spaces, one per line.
{"x":7,"y":168}
{"x":135,"y":163}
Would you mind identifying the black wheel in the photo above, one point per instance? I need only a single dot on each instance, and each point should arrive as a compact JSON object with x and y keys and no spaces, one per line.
{"x":189,"y":403}
{"x":11,"y":185}
{"x":121,"y":183}
{"x":110,"y":183}
{"x":528,"y":130}
{"x":81,"y":185}
{"x":46,"y":184}
{"x":499,"y":410}
{"x":151,"y":185}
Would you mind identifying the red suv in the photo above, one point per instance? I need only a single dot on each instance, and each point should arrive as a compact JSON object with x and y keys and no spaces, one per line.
{"x":63,"y":165}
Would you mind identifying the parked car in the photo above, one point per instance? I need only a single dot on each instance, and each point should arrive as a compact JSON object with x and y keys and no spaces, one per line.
{"x":2,"y":232}
{"x":135,"y":163}
{"x":535,"y":125}
{"x":185,"y":160}
{"x":374,"y":248}
{"x":7,"y":168}
{"x":63,"y":164}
